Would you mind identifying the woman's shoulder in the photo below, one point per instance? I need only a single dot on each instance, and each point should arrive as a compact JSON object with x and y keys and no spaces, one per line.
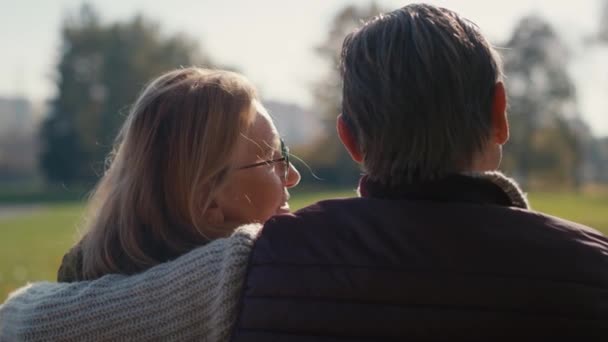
{"x":70,"y":269}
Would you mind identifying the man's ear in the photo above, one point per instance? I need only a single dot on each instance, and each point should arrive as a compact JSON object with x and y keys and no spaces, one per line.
{"x":500,"y":124}
{"x":214,"y":214}
{"x":348,"y":140}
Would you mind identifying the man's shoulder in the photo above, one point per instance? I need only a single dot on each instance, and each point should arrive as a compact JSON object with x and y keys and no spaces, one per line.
{"x":370,"y":217}
{"x":318,"y":212}
{"x":317,"y":222}
{"x":357,"y":207}
{"x":456,"y":236}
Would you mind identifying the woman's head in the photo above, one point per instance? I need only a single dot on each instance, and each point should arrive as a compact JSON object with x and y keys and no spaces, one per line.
{"x":258,"y":188}
{"x":171,"y":182}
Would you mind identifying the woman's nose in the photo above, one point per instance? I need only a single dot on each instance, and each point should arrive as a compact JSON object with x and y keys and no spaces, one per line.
{"x":293,"y":177}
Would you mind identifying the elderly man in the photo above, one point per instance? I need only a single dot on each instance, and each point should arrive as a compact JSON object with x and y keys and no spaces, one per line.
{"x":438,"y":246}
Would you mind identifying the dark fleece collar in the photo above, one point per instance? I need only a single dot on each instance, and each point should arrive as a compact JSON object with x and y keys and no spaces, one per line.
{"x":483,"y":188}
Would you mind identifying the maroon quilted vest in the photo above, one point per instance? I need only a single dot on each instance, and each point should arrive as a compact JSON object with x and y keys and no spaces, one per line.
{"x":443,"y":261}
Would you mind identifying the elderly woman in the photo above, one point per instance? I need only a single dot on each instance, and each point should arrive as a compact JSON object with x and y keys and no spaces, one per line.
{"x":197,"y":157}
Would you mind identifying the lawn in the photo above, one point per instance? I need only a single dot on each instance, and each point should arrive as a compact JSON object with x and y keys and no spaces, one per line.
{"x":31,"y":246}
{"x":591,"y":210}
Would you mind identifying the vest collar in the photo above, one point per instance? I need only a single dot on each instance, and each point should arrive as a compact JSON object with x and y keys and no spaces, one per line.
{"x":483,"y":188}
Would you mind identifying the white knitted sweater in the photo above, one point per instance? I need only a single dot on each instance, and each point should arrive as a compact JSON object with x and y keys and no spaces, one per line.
{"x":191,"y":298}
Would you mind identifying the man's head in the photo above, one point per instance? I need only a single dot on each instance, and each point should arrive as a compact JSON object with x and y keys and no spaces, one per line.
{"x":423,"y":96}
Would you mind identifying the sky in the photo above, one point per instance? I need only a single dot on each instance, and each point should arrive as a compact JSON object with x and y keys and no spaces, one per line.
{"x":272,"y":41}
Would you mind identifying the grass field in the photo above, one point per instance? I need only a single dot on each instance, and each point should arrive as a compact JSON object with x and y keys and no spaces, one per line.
{"x":31,"y":246}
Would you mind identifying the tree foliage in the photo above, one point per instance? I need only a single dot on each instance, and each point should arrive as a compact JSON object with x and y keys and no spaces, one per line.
{"x":101,"y":70}
{"x":543,"y":106}
{"x":327,"y":156}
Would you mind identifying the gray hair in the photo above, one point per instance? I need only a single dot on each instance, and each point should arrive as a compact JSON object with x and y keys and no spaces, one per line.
{"x":417,"y":94}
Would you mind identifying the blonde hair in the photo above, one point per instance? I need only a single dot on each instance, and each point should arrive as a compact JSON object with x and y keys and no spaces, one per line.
{"x":171,"y":155}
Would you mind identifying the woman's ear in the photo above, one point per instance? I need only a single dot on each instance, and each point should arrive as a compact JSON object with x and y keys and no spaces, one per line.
{"x":500,"y":124}
{"x":214,"y":214}
{"x":348,"y":140}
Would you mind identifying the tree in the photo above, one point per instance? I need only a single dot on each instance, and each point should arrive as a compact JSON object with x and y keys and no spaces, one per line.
{"x":328,"y":156}
{"x":101,"y":70}
{"x":542,"y":104}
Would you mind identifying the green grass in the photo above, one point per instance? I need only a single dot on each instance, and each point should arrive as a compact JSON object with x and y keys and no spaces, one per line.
{"x":302,"y":198}
{"x":31,"y":246}
{"x":590,"y":210}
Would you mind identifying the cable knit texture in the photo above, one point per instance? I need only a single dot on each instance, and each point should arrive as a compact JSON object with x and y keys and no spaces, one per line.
{"x":191,"y":298}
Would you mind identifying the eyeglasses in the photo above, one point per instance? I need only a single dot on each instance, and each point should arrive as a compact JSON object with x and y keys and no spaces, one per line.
{"x":284,"y":159}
